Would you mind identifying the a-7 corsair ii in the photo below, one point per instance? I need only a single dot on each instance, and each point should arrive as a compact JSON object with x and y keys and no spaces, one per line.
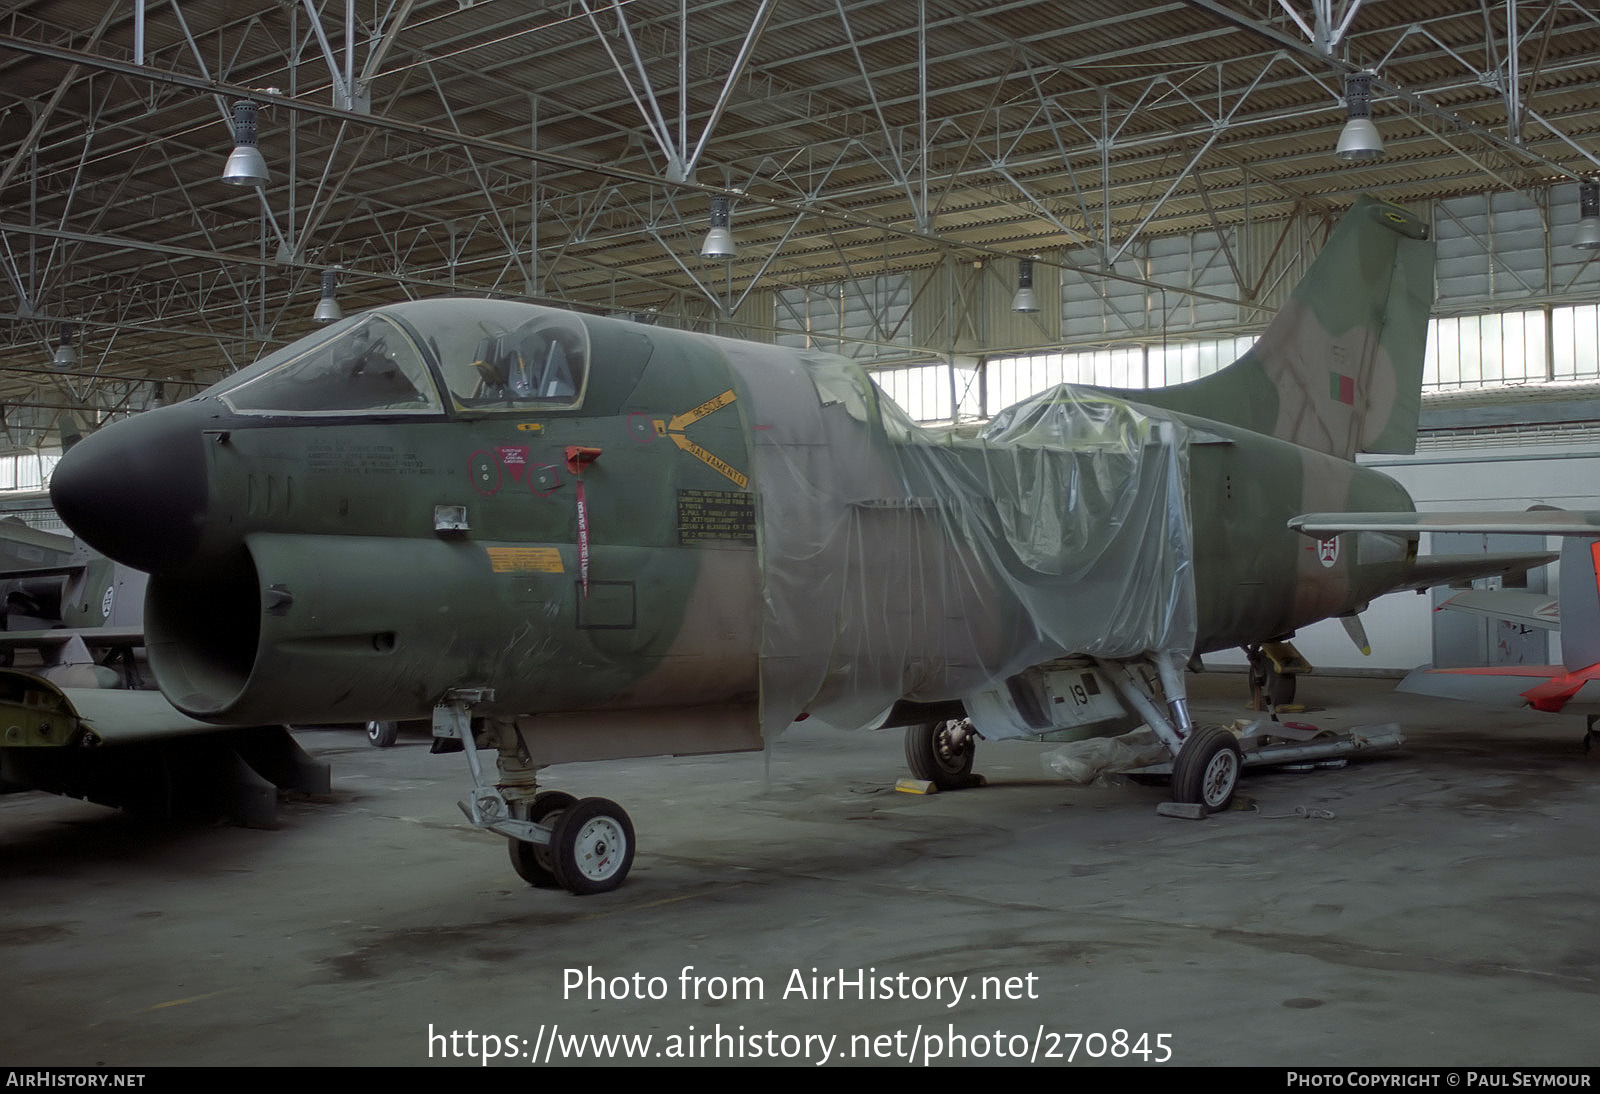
{"x":576,"y":538}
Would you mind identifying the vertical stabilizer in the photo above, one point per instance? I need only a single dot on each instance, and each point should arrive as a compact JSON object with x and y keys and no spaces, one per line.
{"x":1339,"y":369}
{"x":1580,"y":603}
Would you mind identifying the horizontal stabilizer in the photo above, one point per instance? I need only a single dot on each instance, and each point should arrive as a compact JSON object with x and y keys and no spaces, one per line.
{"x":1518,"y":606}
{"x":1430,"y":570}
{"x":1534,"y":522}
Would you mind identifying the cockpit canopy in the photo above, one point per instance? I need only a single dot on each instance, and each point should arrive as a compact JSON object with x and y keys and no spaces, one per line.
{"x":490,"y":355}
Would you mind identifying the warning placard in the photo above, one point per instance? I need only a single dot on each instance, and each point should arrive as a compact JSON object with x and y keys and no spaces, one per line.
{"x":719,"y":516}
{"x":511,"y":560}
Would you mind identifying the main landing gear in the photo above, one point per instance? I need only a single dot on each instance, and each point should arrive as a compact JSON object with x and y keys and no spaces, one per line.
{"x":1206,"y":770}
{"x":1207,"y":760}
{"x":941,"y":753}
{"x":583,"y":845}
{"x":1275,"y":668}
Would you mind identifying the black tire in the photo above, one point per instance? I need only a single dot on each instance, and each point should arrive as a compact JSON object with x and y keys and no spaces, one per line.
{"x":1207,"y":769}
{"x":934,"y":756}
{"x":382,"y":734}
{"x":1280,"y":687}
{"x":530,"y":860}
{"x":591,"y":849}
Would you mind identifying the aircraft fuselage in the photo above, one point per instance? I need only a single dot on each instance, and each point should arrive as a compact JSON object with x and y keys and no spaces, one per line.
{"x":333,"y":547}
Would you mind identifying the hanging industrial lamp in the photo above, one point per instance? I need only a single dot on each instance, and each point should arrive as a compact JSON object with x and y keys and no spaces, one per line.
{"x":66,"y":356}
{"x":1360,"y":140}
{"x":1587,"y":237}
{"x":245,"y":167}
{"x":1025,"y":300}
{"x":719,"y":240}
{"x":328,"y":310}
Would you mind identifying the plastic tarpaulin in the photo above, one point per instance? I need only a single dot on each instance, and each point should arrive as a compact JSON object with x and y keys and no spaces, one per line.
{"x":900,"y":562}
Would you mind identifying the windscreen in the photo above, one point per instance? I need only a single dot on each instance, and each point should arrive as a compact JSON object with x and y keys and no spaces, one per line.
{"x":368,"y":364}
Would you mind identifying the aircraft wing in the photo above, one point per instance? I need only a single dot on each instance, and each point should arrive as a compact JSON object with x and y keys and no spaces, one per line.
{"x":18,"y":534}
{"x":1549,"y":688}
{"x":1528,"y":609}
{"x":1569,"y":688}
{"x":42,"y":715}
{"x":118,"y":716}
{"x":1535,"y":522}
{"x":93,"y":637}
{"x":23,"y":573}
{"x":134,"y":750}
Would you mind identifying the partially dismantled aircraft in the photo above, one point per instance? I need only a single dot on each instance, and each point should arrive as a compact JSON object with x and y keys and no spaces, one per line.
{"x":79,"y":614}
{"x":68,"y":604}
{"x":568,"y":538}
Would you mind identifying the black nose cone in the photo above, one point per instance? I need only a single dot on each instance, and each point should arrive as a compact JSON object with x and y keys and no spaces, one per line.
{"x":136,"y":491}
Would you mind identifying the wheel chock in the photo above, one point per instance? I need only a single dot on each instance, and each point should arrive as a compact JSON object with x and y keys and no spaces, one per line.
{"x":915,"y":786}
{"x":1182,"y":810}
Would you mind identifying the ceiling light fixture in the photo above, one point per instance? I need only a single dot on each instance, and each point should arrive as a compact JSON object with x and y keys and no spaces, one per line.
{"x":1360,"y":140}
{"x":245,"y":167}
{"x":1587,"y":237}
{"x":1025,"y":300}
{"x":328,"y":309}
{"x":719,"y":240}
{"x":66,"y":356}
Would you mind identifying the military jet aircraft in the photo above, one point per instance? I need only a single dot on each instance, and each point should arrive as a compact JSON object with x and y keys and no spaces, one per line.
{"x":567,"y":537}
{"x":69,"y":604}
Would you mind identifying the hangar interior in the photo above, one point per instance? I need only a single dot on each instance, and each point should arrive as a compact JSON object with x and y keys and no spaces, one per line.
{"x":1163,"y":171}
{"x":882,"y":181}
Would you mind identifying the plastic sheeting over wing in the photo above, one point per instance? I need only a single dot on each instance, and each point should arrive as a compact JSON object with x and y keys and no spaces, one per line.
{"x":907,"y":563}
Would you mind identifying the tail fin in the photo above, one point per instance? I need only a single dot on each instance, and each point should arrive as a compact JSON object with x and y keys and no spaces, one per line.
{"x":1339,"y":369}
{"x":1580,"y":603}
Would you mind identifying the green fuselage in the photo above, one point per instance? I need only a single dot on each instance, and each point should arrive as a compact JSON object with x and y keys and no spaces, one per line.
{"x":345,"y":563}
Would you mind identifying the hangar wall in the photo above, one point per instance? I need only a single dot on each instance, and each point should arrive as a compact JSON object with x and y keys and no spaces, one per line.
{"x":1516,"y":303}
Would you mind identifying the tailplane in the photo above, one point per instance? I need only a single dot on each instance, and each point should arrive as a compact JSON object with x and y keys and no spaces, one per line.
{"x":1339,"y":369}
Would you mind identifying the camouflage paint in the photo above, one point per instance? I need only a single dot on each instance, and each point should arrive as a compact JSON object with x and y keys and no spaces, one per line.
{"x":299,"y":574}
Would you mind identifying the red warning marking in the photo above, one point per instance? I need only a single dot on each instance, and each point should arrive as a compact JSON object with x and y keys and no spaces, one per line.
{"x":483,"y":468}
{"x":515,"y":459}
{"x":642,"y":428}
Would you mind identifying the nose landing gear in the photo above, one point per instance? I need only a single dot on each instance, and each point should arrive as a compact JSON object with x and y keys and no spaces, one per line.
{"x":556,"y":841}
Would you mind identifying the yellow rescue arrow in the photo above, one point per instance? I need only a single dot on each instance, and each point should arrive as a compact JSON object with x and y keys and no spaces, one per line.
{"x":720,"y":466}
{"x":688,"y":417}
{"x":679,"y":422}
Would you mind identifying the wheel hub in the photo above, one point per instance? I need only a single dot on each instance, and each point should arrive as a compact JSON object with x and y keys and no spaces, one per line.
{"x":952,"y":746}
{"x":595,"y":845}
{"x":1221,"y":774}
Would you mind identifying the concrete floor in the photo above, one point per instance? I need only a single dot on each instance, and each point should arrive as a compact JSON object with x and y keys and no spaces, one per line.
{"x":1445,"y":915}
